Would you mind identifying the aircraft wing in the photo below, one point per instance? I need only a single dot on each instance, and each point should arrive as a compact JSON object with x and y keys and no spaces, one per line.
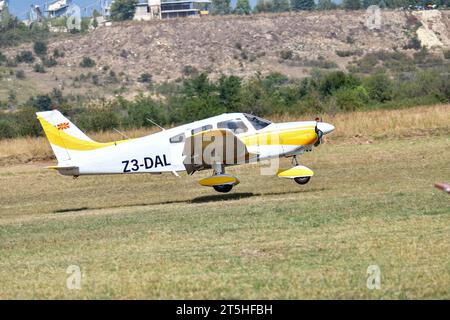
{"x":214,"y":146}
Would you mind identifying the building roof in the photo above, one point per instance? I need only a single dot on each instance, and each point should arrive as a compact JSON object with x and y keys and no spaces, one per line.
{"x":58,"y":5}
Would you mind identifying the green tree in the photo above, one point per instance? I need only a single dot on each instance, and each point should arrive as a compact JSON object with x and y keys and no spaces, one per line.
{"x":7,"y":129}
{"x":263,"y":6}
{"x":229,"y":89}
{"x":352,"y":4}
{"x":379,"y":87}
{"x":298,"y":5}
{"x":25,"y":56}
{"x":221,"y":7}
{"x":87,"y":62}
{"x":40,"y":48}
{"x":243,"y":7}
{"x":326,"y":5}
{"x":350,"y":99}
{"x":123,"y":9}
{"x":281,"y":5}
{"x":42,"y":102}
{"x":336,"y":80}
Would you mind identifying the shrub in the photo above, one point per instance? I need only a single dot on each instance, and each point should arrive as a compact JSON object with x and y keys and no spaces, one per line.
{"x":447,"y":54}
{"x":351,"y":99}
{"x":189,"y":71}
{"x":3,"y":58}
{"x":286,"y":54}
{"x":414,"y":43}
{"x":145,"y":78}
{"x":40,"y":48}
{"x":349,"y":39}
{"x":42,"y":102}
{"x":25,"y":56}
{"x":7,"y":129}
{"x":39,"y":68}
{"x":20,"y":74}
{"x":87,"y":63}
{"x":348,"y":53}
{"x":336,"y":80}
{"x":379,"y":87}
{"x":49,"y":62}
{"x":95,"y":80}
{"x":98,"y":119}
{"x":123,"y":9}
{"x":58,"y":54}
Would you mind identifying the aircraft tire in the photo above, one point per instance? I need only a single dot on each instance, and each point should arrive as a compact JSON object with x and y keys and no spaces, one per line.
{"x":302,"y":180}
{"x":224,"y":188}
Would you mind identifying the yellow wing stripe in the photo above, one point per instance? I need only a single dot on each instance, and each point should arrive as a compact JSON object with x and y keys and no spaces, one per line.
{"x":63,"y":140}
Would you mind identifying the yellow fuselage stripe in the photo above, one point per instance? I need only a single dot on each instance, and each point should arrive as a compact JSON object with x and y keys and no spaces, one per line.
{"x":296,"y":136}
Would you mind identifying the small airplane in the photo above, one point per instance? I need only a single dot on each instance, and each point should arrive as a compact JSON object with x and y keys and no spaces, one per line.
{"x":213,"y":143}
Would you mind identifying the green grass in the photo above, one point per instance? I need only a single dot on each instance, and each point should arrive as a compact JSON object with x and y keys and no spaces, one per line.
{"x":155,"y":237}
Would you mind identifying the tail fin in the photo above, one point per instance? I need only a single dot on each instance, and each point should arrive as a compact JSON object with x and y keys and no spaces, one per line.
{"x":67,"y":141}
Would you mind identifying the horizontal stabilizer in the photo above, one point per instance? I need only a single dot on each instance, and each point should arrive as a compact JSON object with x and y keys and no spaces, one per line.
{"x":66,"y":170}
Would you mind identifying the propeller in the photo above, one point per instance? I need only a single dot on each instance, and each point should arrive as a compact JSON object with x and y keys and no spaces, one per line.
{"x":319,"y":133}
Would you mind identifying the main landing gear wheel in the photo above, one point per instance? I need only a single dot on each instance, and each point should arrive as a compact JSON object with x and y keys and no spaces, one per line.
{"x":302,"y":180}
{"x":224,"y":188}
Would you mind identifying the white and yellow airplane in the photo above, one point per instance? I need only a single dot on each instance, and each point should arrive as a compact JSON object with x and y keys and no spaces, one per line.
{"x":213,"y":143}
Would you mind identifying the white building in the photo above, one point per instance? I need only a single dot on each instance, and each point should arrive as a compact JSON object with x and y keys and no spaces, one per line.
{"x":163,"y":9}
{"x":58,"y":8}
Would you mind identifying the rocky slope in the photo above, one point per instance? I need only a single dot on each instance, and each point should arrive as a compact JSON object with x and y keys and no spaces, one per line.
{"x":240,"y":45}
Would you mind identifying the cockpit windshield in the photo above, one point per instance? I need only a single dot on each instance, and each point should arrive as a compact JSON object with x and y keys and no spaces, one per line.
{"x":257,"y":122}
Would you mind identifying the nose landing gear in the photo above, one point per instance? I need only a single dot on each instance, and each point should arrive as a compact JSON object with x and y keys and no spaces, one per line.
{"x":300,"y":174}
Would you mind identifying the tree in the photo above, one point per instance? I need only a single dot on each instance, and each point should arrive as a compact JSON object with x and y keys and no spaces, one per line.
{"x":263,"y":6}
{"x":221,"y":7}
{"x":326,"y":5}
{"x":298,"y":5}
{"x":41,"y":102}
{"x":281,"y":5}
{"x":40,"y":48}
{"x":87,"y":63}
{"x":352,"y":4}
{"x":242,"y":7}
{"x":145,"y":78}
{"x":123,"y":9}
{"x":25,"y":56}
{"x":379,"y":87}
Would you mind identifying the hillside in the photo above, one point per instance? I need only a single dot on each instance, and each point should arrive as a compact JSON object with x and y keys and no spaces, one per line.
{"x":240,"y":45}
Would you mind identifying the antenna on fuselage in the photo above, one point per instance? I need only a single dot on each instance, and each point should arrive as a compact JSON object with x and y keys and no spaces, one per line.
{"x":153,"y":122}
{"x":121,"y":133}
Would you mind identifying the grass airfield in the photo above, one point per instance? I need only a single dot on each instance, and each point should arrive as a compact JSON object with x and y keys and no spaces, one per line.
{"x":163,"y":237}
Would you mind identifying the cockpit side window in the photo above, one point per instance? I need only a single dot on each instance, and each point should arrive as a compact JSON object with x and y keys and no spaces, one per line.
{"x":236,"y":126}
{"x":177,"y":139}
{"x":257,"y":122}
{"x":200,"y":129}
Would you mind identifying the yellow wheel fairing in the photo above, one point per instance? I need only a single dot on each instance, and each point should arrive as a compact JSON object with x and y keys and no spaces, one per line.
{"x":63,"y":140}
{"x":295,"y":172}
{"x":219,"y":180}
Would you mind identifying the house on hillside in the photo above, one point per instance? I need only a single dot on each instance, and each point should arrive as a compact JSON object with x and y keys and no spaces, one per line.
{"x":164,"y":9}
{"x":3,"y":5}
{"x":58,"y":8}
